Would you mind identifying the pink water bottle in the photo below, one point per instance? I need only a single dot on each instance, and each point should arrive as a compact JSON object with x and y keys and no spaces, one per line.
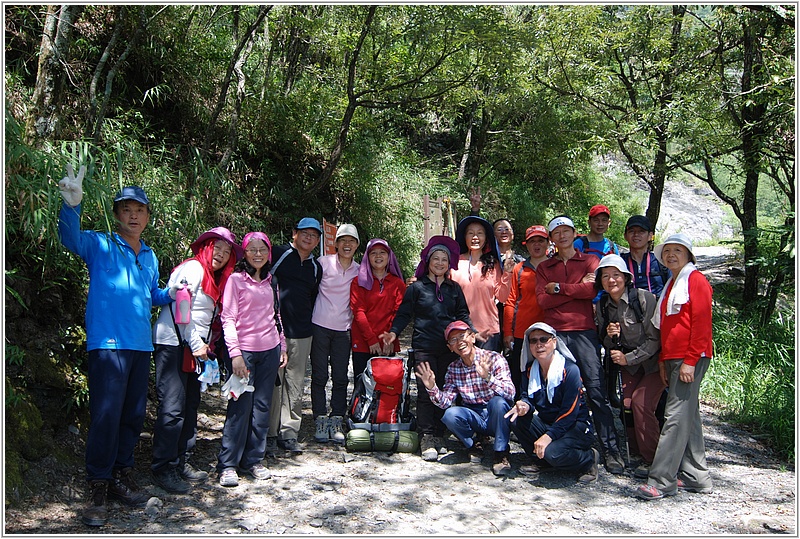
{"x":183,"y":304}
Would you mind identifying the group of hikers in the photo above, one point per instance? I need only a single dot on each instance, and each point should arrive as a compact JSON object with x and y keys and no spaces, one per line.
{"x":505,"y":346}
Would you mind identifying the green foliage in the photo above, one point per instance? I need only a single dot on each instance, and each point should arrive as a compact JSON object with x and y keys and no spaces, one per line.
{"x":752,"y":375}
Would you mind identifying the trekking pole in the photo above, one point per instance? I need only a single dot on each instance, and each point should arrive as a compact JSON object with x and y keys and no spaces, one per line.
{"x":622,"y":414}
{"x":621,"y":400}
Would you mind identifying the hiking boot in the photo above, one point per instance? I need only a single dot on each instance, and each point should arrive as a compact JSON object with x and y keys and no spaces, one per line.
{"x":169,"y":478}
{"x":259,"y":471}
{"x":336,"y":429}
{"x":95,"y":512}
{"x":190,"y":473}
{"x":590,"y":475}
{"x":321,"y":426}
{"x":291,"y":445}
{"x":428,"y":449}
{"x":682,"y":485}
{"x":229,"y":478}
{"x":642,"y":471}
{"x":476,"y":452}
{"x":123,"y":488}
{"x":614,"y":464}
{"x":501,"y":465}
{"x":534,"y":467}
{"x":649,"y":492}
{"x":440,"y":445}
{"x":271,"y":450}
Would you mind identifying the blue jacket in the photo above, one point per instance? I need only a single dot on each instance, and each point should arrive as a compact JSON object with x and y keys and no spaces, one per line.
{"x":123,"y":287}
{"x":568,"y":405}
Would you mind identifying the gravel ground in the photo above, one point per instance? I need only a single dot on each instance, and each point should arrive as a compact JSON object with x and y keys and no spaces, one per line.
{"x":326,"y":490}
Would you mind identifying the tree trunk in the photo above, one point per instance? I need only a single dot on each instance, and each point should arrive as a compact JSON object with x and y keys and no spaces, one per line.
{"x":752,"y":135}
{"x":226,"y":83}
{"x":326,"y":175}
{"x":43,"y":119}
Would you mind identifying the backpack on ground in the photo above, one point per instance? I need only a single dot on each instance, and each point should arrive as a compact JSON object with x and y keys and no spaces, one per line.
{"x":379,"y":417}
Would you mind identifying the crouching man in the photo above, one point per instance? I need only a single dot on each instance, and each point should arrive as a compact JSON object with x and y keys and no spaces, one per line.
{"x":558,"y":433}
{"x":483,"y":380}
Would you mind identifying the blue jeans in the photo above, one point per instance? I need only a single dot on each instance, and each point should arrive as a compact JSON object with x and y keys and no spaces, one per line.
{"x":487,"y":420}
{"x":585,"y":346}
{"x":571,"y":452}
{"x":117,"y":399}
{"x":244,"y":436}
{"x":329,"y":347}
{"x":175,"y":430}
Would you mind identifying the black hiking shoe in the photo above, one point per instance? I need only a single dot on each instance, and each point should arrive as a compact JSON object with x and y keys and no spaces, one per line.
{"x":169,"y":478}
{"x":95,"y":513}
{"x":123,"y":488}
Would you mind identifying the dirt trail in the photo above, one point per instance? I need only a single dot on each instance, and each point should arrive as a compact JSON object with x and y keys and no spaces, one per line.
{"x":327,"y":490}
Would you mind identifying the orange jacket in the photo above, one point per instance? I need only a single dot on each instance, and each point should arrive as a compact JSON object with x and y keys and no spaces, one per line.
{"x":522,"y":308}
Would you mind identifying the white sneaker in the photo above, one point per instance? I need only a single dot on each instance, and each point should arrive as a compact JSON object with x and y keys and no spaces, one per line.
{"x":321,"y":428}
{"x":335,"y":429}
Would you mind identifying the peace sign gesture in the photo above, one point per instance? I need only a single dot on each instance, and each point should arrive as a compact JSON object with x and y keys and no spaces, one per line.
{"x":71,"y":187}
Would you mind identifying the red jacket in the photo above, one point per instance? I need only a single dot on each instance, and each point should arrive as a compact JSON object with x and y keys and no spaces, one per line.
{"x":374,"y":310}
{"x":687,"y":334}
{"x":522,"y":308}
{"x":570,"y":309}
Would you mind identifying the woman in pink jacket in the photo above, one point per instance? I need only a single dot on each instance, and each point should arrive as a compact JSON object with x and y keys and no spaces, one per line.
{"x":684,"y":316}
{"x":257,"y":349}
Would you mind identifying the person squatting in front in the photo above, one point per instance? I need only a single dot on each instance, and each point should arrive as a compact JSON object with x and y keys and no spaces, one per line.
{"x":257,"y":349}
{"x":551,"y":420}
{"x":482,"y":379}
{"x":433,"y":301}
{"x":177,"y":385}
{"x":565,"y":290}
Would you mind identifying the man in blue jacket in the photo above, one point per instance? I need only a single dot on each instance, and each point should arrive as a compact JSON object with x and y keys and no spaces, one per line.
{"x":123,"y":288}
{"x":551,"y":420}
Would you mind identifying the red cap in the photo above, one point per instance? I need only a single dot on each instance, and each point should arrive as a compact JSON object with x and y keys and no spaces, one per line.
{"x":458,"y":325}
{"x":535,"y":230}
{"x":599,"y":209}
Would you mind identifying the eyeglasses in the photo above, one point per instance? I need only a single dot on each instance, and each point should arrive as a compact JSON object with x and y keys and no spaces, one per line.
{"x":257,"y":251}
{"x":542,"y":340}
{"x":501,"y":229}
{"x":458,"y":338}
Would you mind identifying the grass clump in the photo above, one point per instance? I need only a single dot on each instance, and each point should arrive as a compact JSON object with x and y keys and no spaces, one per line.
{"x":752,"y":376}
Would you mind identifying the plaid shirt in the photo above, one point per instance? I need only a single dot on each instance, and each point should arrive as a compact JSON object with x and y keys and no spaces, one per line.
{"x":474,"y":390}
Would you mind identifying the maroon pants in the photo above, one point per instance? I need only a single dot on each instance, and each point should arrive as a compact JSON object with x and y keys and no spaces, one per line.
{"x":642,"y":393}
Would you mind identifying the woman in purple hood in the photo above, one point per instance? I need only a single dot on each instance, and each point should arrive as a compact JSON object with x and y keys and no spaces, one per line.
{"x":433,"y":301}
{"x":375,"y":296}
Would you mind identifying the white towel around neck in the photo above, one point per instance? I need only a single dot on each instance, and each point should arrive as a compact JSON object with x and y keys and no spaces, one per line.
{"x":678,"y":296}
{"x":555,"y":375}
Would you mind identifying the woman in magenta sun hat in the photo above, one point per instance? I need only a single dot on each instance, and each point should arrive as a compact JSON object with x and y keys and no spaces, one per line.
{"x":177,"y":385}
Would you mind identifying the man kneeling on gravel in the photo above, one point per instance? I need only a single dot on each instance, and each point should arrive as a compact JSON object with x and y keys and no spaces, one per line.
{"x":483,"y":380}
{"x":558,"y":434}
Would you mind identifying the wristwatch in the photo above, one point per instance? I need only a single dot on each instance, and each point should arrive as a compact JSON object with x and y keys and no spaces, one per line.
{"x":557,"y":288}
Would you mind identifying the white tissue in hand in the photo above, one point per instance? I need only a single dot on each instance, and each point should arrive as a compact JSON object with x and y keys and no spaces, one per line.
{"x":236,"y":386}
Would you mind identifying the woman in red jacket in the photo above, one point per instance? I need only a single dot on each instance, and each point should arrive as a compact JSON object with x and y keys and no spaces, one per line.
{"x":375,"y":296}
{"x":684,"y":317}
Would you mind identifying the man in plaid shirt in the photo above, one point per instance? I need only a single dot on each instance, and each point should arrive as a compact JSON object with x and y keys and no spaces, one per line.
{"x":483,"y":380}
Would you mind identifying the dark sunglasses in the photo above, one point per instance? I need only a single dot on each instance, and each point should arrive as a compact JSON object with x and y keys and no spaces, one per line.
{"x":542,"y":340}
